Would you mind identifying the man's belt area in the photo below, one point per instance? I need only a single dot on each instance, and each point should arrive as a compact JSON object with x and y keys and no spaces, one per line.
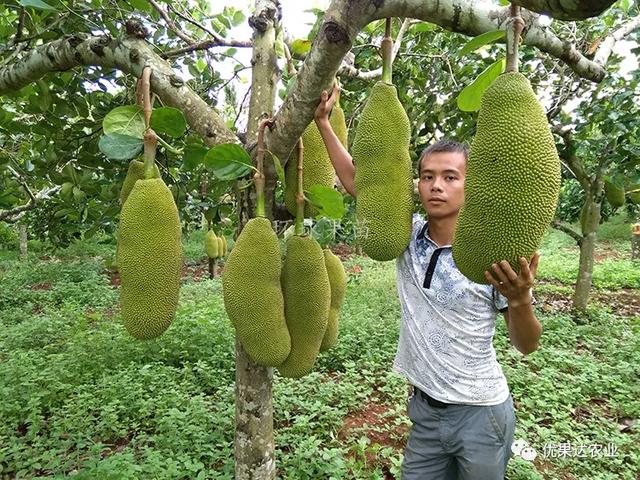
{"x":430,"y":400}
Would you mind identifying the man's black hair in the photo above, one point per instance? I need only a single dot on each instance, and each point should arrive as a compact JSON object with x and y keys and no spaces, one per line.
{"x":444,"y":145}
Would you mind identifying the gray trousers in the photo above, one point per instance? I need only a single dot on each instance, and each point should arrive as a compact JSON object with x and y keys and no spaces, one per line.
{"x":459,"y":442}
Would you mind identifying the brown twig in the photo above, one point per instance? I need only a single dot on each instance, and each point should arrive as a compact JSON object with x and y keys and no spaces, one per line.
{"x":514,"y":30}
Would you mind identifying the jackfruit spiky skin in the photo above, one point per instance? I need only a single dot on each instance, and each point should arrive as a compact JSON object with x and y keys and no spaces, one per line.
{"x":614,"y":193}
{"x":383,"y":179}
{"x":211,"y":244}
{"x":316,"y":169}
{"x":252,"y":294}
{"x":220,"y":247}
{"x":149,"y":259}
{"x":339,"y":124}
{"x":307,"y":299}
{"x":338,"y":282}
{"x":512,"y":181}
{"x":134,"y":173}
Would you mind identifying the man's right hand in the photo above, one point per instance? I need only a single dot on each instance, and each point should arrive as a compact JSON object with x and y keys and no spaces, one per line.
{"x":326,"y":104}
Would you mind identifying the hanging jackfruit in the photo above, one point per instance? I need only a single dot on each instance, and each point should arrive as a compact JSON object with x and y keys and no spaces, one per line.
{"x":307,"y":297}
{"x":221,"y":251}
{"x":224,"y":245}
{"x":149,"y":259}
{"x":134,"y":173}
{"x":338,"y":283}
{"x":317,"y":169}
{"x":634,"y":196}
{"x":614,"y":193}
{"x":383,"y":180}
{"x":339,"y":124}
{"x":252,"y":294}
{"x":211,"y":244}
{"x":512,"y":181}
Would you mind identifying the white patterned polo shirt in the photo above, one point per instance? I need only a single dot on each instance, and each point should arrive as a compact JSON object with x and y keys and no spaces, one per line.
{"x":446,"y":334}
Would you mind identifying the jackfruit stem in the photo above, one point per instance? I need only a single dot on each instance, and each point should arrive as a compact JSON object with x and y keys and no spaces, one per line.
{"x":387,"y":53}
{"x":299,"y":228}
{"x":150,"y":145}
{"x":514,"y":30}
{"x":258,"y":177}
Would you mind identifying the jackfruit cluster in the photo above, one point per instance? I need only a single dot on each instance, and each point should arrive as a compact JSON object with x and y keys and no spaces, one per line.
{"x":216,"y":247}
{"x":253,"y":296}
{"x":383,"y":179}
{"x":512,"y":181}
{"x":307,"y":302}
{"x":135,"y":172}
{"x":614,"y":194}
{"x":338,"y":284}
{"x":149,"y":259}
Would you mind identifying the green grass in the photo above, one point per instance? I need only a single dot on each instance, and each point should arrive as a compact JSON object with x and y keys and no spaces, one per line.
{"x":80,"y":397}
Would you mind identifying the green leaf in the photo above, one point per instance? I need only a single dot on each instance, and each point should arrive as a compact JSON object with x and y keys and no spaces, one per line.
{"x":469,"y":99}
{"x":300,"y":47}
{"x":120,"y":147}
{"x":280,"y":44}
{"x":228,"y":161}
{"x":193,"y":156}
{"x":279,"y":170}
{"x":125,"y":120}
{"x":324,"y":231}
{"x":481,"y":40}
{"x":39,"y":4}
{"x":168,"y":120}
{"x":504,"y":2}
{"x":327,"y":200}
{"x":238,"y":18}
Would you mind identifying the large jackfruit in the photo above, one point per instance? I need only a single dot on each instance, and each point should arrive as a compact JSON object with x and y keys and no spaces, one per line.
{"x":339,"y":124}
{"x":383,"y":180}
{"x":512,"y":181}
{"x":149,"y":259}
{"x":252,"y":294}
{"x":134,"y":173}
{"x":338,"y":282}
{"x":317,"y":169}
{"x":614,"y":194}
{"x":307,"y":300}
{"x":211,"y":244}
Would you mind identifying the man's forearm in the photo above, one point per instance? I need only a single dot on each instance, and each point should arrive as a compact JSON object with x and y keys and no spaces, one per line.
{"x":524,"y":328}
{"x":340,"y":158}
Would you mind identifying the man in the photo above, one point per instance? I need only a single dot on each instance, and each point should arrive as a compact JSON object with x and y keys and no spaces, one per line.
{"x":461,"y":408}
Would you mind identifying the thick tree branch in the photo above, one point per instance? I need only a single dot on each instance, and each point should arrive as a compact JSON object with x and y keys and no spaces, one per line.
{"x":129,"y":55}
{"x":574,"y":10}
{"x":569,"y":231}
{"x":569,"y":156}
{"x":345,"y":18}
{"x":606,"y":47}
{"x":12,"y":215}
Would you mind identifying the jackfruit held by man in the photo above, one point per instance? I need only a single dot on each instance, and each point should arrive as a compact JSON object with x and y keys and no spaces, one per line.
{"x":512,"y":181}
{"x":383,"y":180}
{"x":338,"y":283}
{"x":252,"y":294}
{"x":149,"y":259}
{"x":307,"y":300}
{"x":317,"y":169}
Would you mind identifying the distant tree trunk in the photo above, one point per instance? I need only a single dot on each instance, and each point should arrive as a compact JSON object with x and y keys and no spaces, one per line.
{"x":22,"y":230}
{"x":635,"y":242}
{"x":590,"y":219}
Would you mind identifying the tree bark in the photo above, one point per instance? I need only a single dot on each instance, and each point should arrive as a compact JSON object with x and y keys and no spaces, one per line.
{"x":589,"y":223}
{"x":574,"y":10}
{"x":22,"y":231}
{"x":254,"y":444}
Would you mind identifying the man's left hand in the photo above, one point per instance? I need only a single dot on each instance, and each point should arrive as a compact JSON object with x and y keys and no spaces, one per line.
{"x":515,"y":287}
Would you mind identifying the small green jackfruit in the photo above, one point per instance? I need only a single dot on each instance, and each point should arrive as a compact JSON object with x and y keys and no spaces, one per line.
{"x":339,"y":124}
{"x":634,"y":196}
{"x":512,"y":181}
{"x":134,"y":173}
{"x":316,"y":169}
{"x":224,"y":245}
{"x":307,"y":300}
{"x":614,"y":193}
{"x":211,"y":244}
{"x":252,"y":294}
{"x":149,"y":259}
{"x":221,"y":251}
{"x":338,"y":282}
{"x":383,"y":181}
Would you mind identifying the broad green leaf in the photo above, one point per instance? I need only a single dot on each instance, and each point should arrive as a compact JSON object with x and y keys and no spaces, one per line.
{"x":39,"y":4}
{"x":120,"y":147}
{"x":481,"y":40}
{"x":280,"y":44}
{"x":469,"y":99}
{"x":300,"y":47}
{"x":193,"y":156}
{"x":238,"y":18}
{"x":168,"y":120}
{"x":504,"y":3}
{"x":125,"y":120}
{"x":327,"y":200}
{"x":324,"y":231}
{"x":228,"y":161}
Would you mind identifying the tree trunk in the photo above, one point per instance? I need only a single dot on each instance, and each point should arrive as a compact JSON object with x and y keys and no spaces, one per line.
{"x":22,"y":230}
{"x":635,"y":242}
{"x":590,"y":219}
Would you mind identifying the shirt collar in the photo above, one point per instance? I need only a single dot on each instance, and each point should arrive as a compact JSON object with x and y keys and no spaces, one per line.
{"x":424,"y":235}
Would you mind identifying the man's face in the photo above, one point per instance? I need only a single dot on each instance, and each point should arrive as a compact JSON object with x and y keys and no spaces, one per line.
{"x":441,"y":183}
